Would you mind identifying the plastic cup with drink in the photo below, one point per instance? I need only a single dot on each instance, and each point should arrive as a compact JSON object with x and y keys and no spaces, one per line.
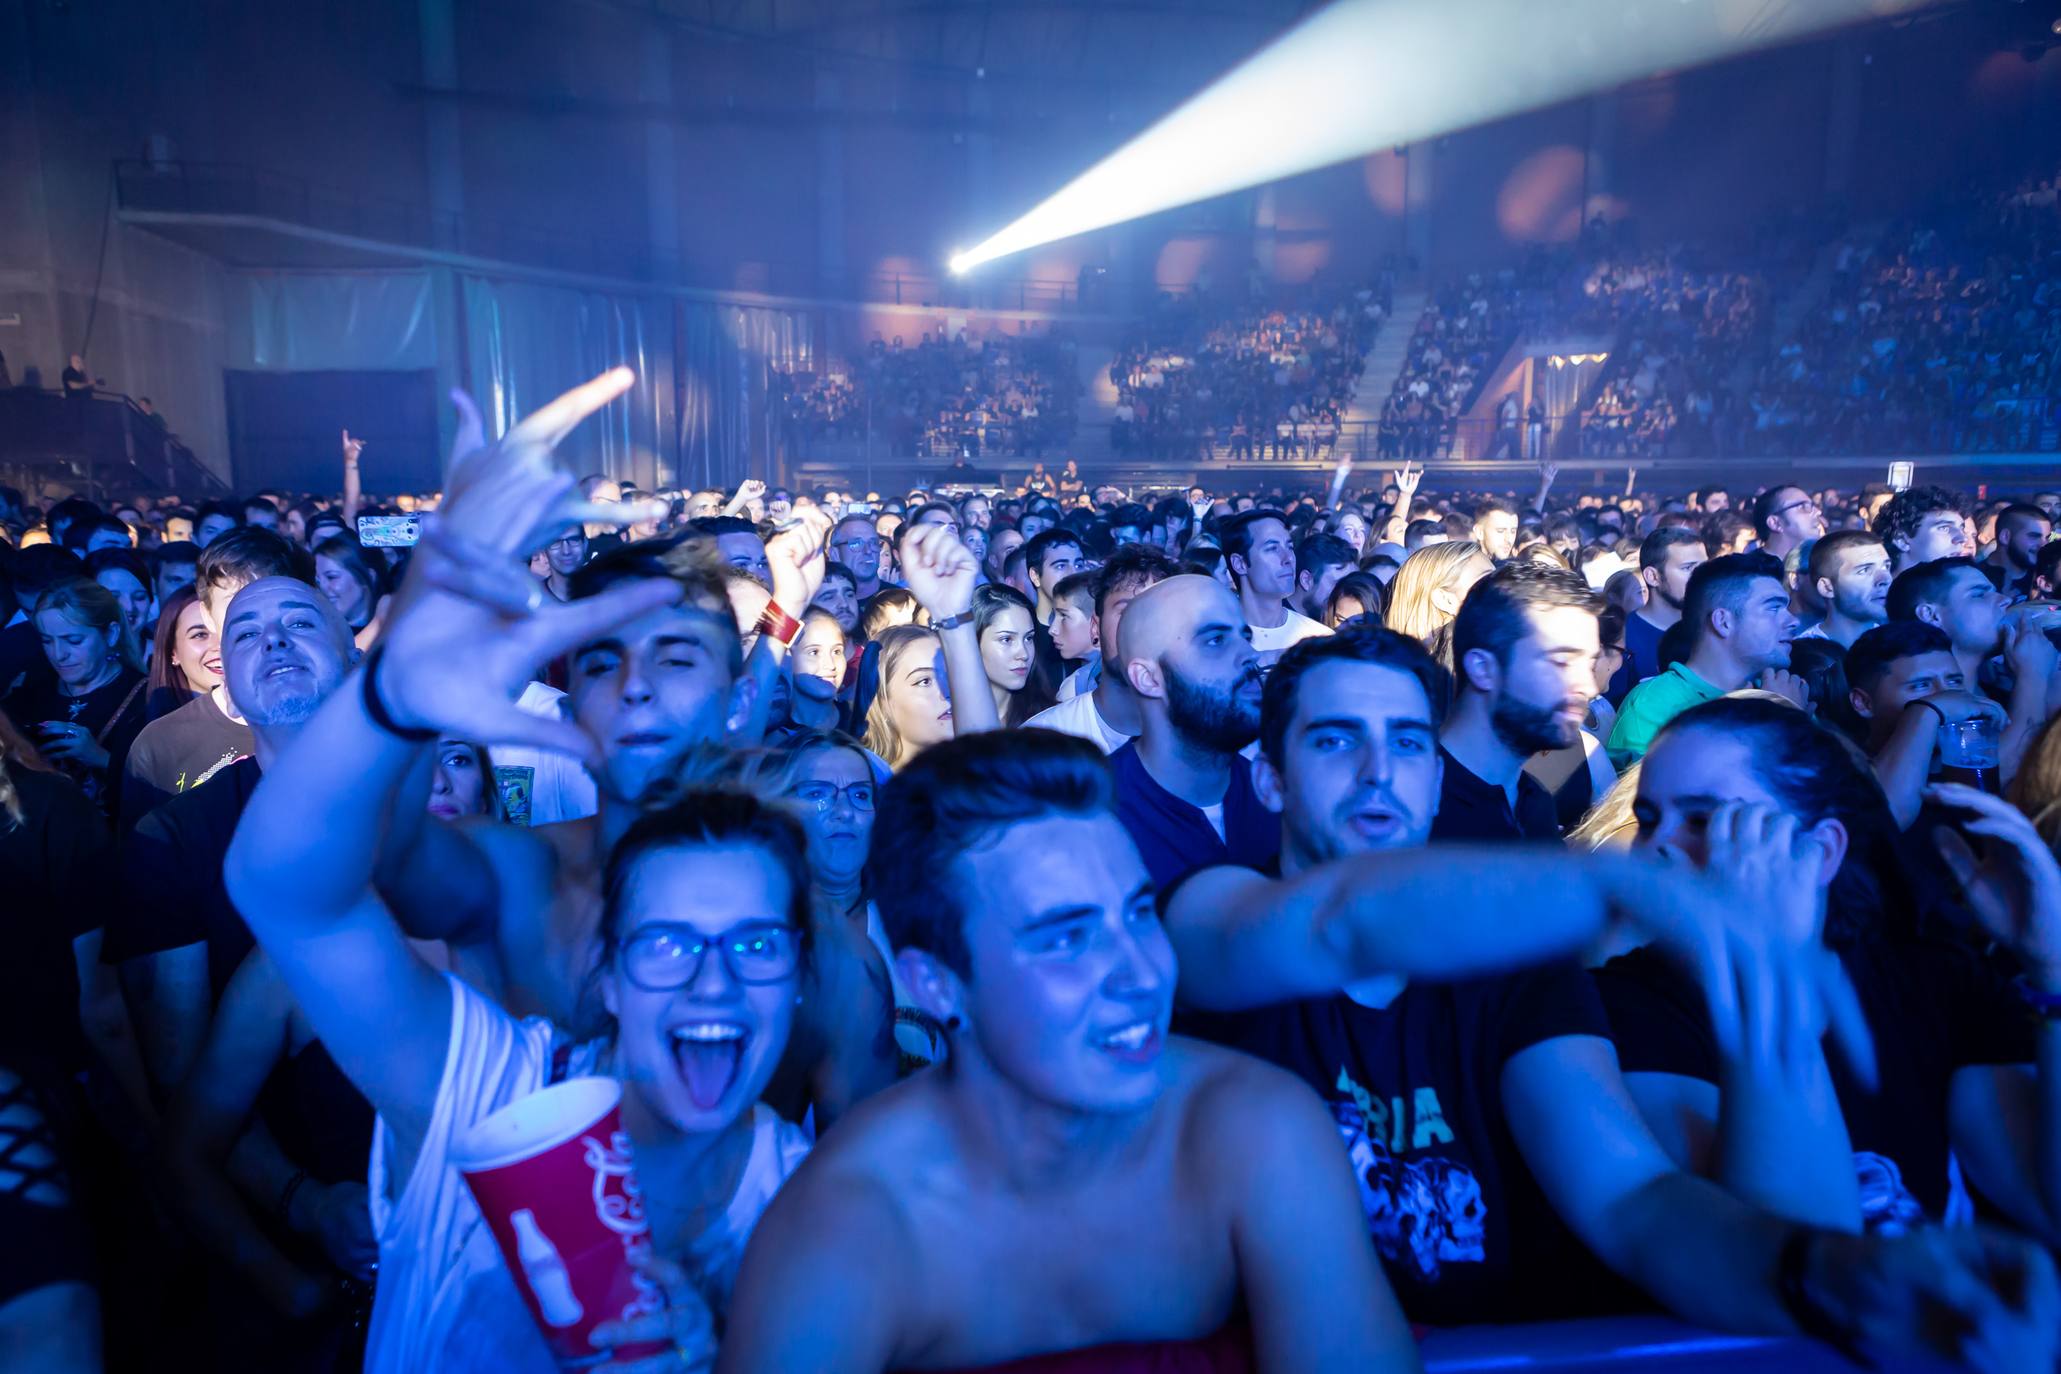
{"x":552,"y":1176}
{"x":1968,"y":752}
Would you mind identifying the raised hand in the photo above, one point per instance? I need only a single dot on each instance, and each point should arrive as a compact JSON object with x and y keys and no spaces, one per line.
{"x":351,"y":449}
{"x":1788,"y":684}
{"x":939,"y":570}
{"x":1747,"y":928}
{"x":1980,"y":1297}
{"x":797,"y":558}
{"x":2029,"y":654}
{"x":2014,"y":888}
{"x":749,"y":490}
{"x":684,"y":1326}
{"x":1406,"y":481}
{"x":472,"y":626}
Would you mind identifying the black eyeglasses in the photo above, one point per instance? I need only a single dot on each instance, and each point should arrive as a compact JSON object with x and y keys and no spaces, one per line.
{"x":665,"y":955}
{"x":824,"y":795}
{"x":1805,"y":504}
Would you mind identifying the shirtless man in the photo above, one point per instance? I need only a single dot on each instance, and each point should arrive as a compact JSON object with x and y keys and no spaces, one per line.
{"x":1128,"y":1182}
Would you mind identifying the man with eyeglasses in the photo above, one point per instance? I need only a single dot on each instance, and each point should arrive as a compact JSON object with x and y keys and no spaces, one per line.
{"x":566,"y":554}
{"x":856,"y":544}
{"x":1785,"y":518}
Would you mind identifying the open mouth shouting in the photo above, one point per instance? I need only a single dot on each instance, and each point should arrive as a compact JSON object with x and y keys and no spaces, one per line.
{"x":708,"y":1054}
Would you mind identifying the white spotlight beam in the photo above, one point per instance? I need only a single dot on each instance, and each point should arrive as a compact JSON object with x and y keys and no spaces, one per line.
{"x":1366,"y":74}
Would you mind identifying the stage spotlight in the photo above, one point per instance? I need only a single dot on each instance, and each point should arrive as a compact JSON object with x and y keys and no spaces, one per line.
{"x":961,"y":263}
{"x":1365,"y":74}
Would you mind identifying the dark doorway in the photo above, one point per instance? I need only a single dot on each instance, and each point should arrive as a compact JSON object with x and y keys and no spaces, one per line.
{"x":285,"y":430}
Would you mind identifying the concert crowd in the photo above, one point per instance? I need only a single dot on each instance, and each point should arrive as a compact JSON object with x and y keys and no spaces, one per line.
{"x":1027,"y":925}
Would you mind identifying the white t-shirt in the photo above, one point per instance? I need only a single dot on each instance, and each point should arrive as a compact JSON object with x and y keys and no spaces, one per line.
{"x":539,"y":787}
{"x":1270,"y":641}
{"x":445,"y":1299}
{"x":1077,"y":716}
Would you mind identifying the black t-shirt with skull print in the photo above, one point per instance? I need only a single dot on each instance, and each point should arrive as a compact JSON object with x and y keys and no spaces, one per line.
{"x":1464,"y":1231}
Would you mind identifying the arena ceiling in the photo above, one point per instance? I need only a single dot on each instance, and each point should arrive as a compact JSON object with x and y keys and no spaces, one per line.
{"x":1173,"y":43}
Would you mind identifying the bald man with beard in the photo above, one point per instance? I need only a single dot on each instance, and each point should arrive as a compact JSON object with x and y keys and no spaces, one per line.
{"x":1183,"y":790}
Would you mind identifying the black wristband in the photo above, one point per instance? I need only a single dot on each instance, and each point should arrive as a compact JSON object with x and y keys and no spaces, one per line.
{"x":1793,"y":1287}
{"x":376,"y":709}
{"x":1921,"y":701}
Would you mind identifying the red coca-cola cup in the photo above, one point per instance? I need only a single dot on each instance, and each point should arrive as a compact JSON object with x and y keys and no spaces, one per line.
{"x":553,"y":1178}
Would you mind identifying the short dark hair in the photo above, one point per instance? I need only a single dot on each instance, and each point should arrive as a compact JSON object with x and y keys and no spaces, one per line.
{"x":36,"y":569}
{"x":932,"y":506}
{"x":1316,"y":552}
{"x":1043,"y":542}
{"x":1129,"y":564}
{"x":1925,"y":583}
{"x":1901,"y":515}
{"x":1076,"y":588}
{"x":232,"y":509}
{"x":2019,"y":511}
{"x":1871,"y":655}
{"x":1131,"y":515}
{"x":833,"y":568}
{"x":165,"y":555}
{"x":680,"y":557}
{"x":1496,"y":613}
{"x":1764,"y":506}
{"x":714,"y":526}
{"x":1654,"y":547}
{"x":79,"y":531}
{"x":247,"y":553}
{"x":1374,"y":644}
{"x":1723,"y":583}
{"x":1493,"y":505}
{"x":1824,"y":559}
{"x":1234,"y":532}
{"x":957,"y":796}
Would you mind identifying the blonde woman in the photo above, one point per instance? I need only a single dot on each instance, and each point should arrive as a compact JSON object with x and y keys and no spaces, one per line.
{"x":85,"y":714}
{"x":915,"y":707}
{"x":1428,"y":589}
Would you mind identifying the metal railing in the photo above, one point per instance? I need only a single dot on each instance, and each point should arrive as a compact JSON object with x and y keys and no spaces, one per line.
{"x":102,"y":442}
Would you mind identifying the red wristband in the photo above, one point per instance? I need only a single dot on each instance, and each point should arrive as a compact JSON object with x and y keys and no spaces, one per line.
{"x":779,"y":624}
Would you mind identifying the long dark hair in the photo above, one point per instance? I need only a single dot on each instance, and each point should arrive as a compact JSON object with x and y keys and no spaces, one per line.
{"x":1818,"y":774}
{"x":990,"y":600}
{"x":165,"y":673}
{"x":365,"y":568}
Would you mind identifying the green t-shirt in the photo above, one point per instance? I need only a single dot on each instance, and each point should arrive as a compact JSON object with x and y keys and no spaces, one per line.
{"x":1652,"y":704}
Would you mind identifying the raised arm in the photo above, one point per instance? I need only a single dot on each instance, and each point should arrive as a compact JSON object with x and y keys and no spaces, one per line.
{"x":2005,"y":1119}
{"x":749,"y":490}
{"x":797,"y":556}
{"x":1249,"y":941}
{"x":1990,"y":1301}
{"x":941,"y":571}
{"x":471,"y":630}
{"x":1770,"y":1130}
{"x":353,"y":496}
{"x":2032,"y":658}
